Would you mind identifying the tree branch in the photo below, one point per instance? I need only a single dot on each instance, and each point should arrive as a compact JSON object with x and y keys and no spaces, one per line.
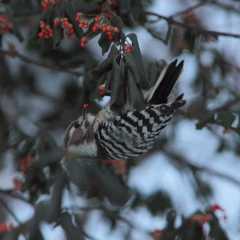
{"x":171,"y":21}
{"x":185,"y":162}
{"x":189,"y":9}
{"x":40,"y":64}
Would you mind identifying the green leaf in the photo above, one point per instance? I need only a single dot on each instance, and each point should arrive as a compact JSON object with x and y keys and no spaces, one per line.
{"x":138,"y":11}
{"x":124,"y":7}
{"x":106,"y":65}
{"x":57,"y":29}
{"x":48,"y":152}
{"x":56,"y":198}
{"x":137,"y":70}
{"x":95,"y":74}
{"x":116,"y":21}
{"x":135,"y":61}
{"x":72,"y":232}
{"x":33,"y":38}
{"x":158,"y":202}
{"x":238,"y":125}
{"x":118,"y":86}
{"x":171,"y":217}
{"x":135,"y":95}
{"x":226,"y":118}
{"x":15,"y":29}
{"x":104,"y":42}
{"x":33,"y":226}
{"x":215,"y":229}
{"x":109,"y":78}
{"x":209,"y":118}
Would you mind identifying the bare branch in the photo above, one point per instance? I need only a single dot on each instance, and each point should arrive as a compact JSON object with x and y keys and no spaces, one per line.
{"x":153,"y":33}
{"x":189,"y":9}
{"x":185,"y":162}
{"x":171,"y":21}
{"x":40,"y":64}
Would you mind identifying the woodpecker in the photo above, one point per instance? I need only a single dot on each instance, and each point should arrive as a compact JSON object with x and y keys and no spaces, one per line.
{"x":113,"y":136}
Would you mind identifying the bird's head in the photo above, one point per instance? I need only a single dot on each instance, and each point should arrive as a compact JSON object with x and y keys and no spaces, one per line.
{"x":77,"y":130}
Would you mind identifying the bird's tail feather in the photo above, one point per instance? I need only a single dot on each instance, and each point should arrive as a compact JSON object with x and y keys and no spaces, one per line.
{"x":160,"y":92}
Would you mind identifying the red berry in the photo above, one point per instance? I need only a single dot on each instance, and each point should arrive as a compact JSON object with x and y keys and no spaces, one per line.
{"x":23,"y":168}
{"x":4,"y":17}
{"x":109,"y":33}
{"x":94,"y":29}
{"x":85,"y":105}
{"x":31,"y":159}
{"x":97,"y":19}
{"x":85,"y":26}
{"x":79,"y":14}
{"x":110,"y":37}
{"x":69,"y":36}
{"x":77,"y":18}
{"x":83,"y":44}
{"x":80,"y":25}
{"x":66,"y":23}
{"x":115,"y":4}
{"x":129,"y":50}
{"x":104,"y":29}
{"x":45,"y":6}
{"x":116,"y":30}
{"x":71,"y":30}
{"x":110,"y":28}
{"x":84,"y":39}
{"x":42,"y":25}
{"x":215,"y":207}
{"x":105,"y":162}
{"x":53,"y":2}
{"x":41,"y":34}
{"x":102,"y":92}
{"x":23,"y":160}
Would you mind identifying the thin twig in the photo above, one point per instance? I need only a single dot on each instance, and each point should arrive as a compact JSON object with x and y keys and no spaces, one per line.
{"x":167,"y":37}
{"x":189,"y":9}
{"x":224,"y":6}
{"x":40,"y":64}
{"x":170,"y":20}
{"x":5,"y":206}
{"x":182,"y":160}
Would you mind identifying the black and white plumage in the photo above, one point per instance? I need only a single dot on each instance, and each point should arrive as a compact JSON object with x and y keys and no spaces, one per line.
{"x":113,"y":136}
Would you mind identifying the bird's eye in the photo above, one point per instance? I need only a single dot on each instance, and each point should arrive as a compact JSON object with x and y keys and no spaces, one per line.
{"x":76,"y":125}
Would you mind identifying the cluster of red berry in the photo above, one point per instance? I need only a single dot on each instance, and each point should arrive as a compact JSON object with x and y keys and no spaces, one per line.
{"x":66,"y":25}
{"x":45,"y":4}
{"x":4,"y":227}
{"x":110,"y":30}
{"x":26,"y":163}
{"x":46,"y":30}
{"x":5,"y":24}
